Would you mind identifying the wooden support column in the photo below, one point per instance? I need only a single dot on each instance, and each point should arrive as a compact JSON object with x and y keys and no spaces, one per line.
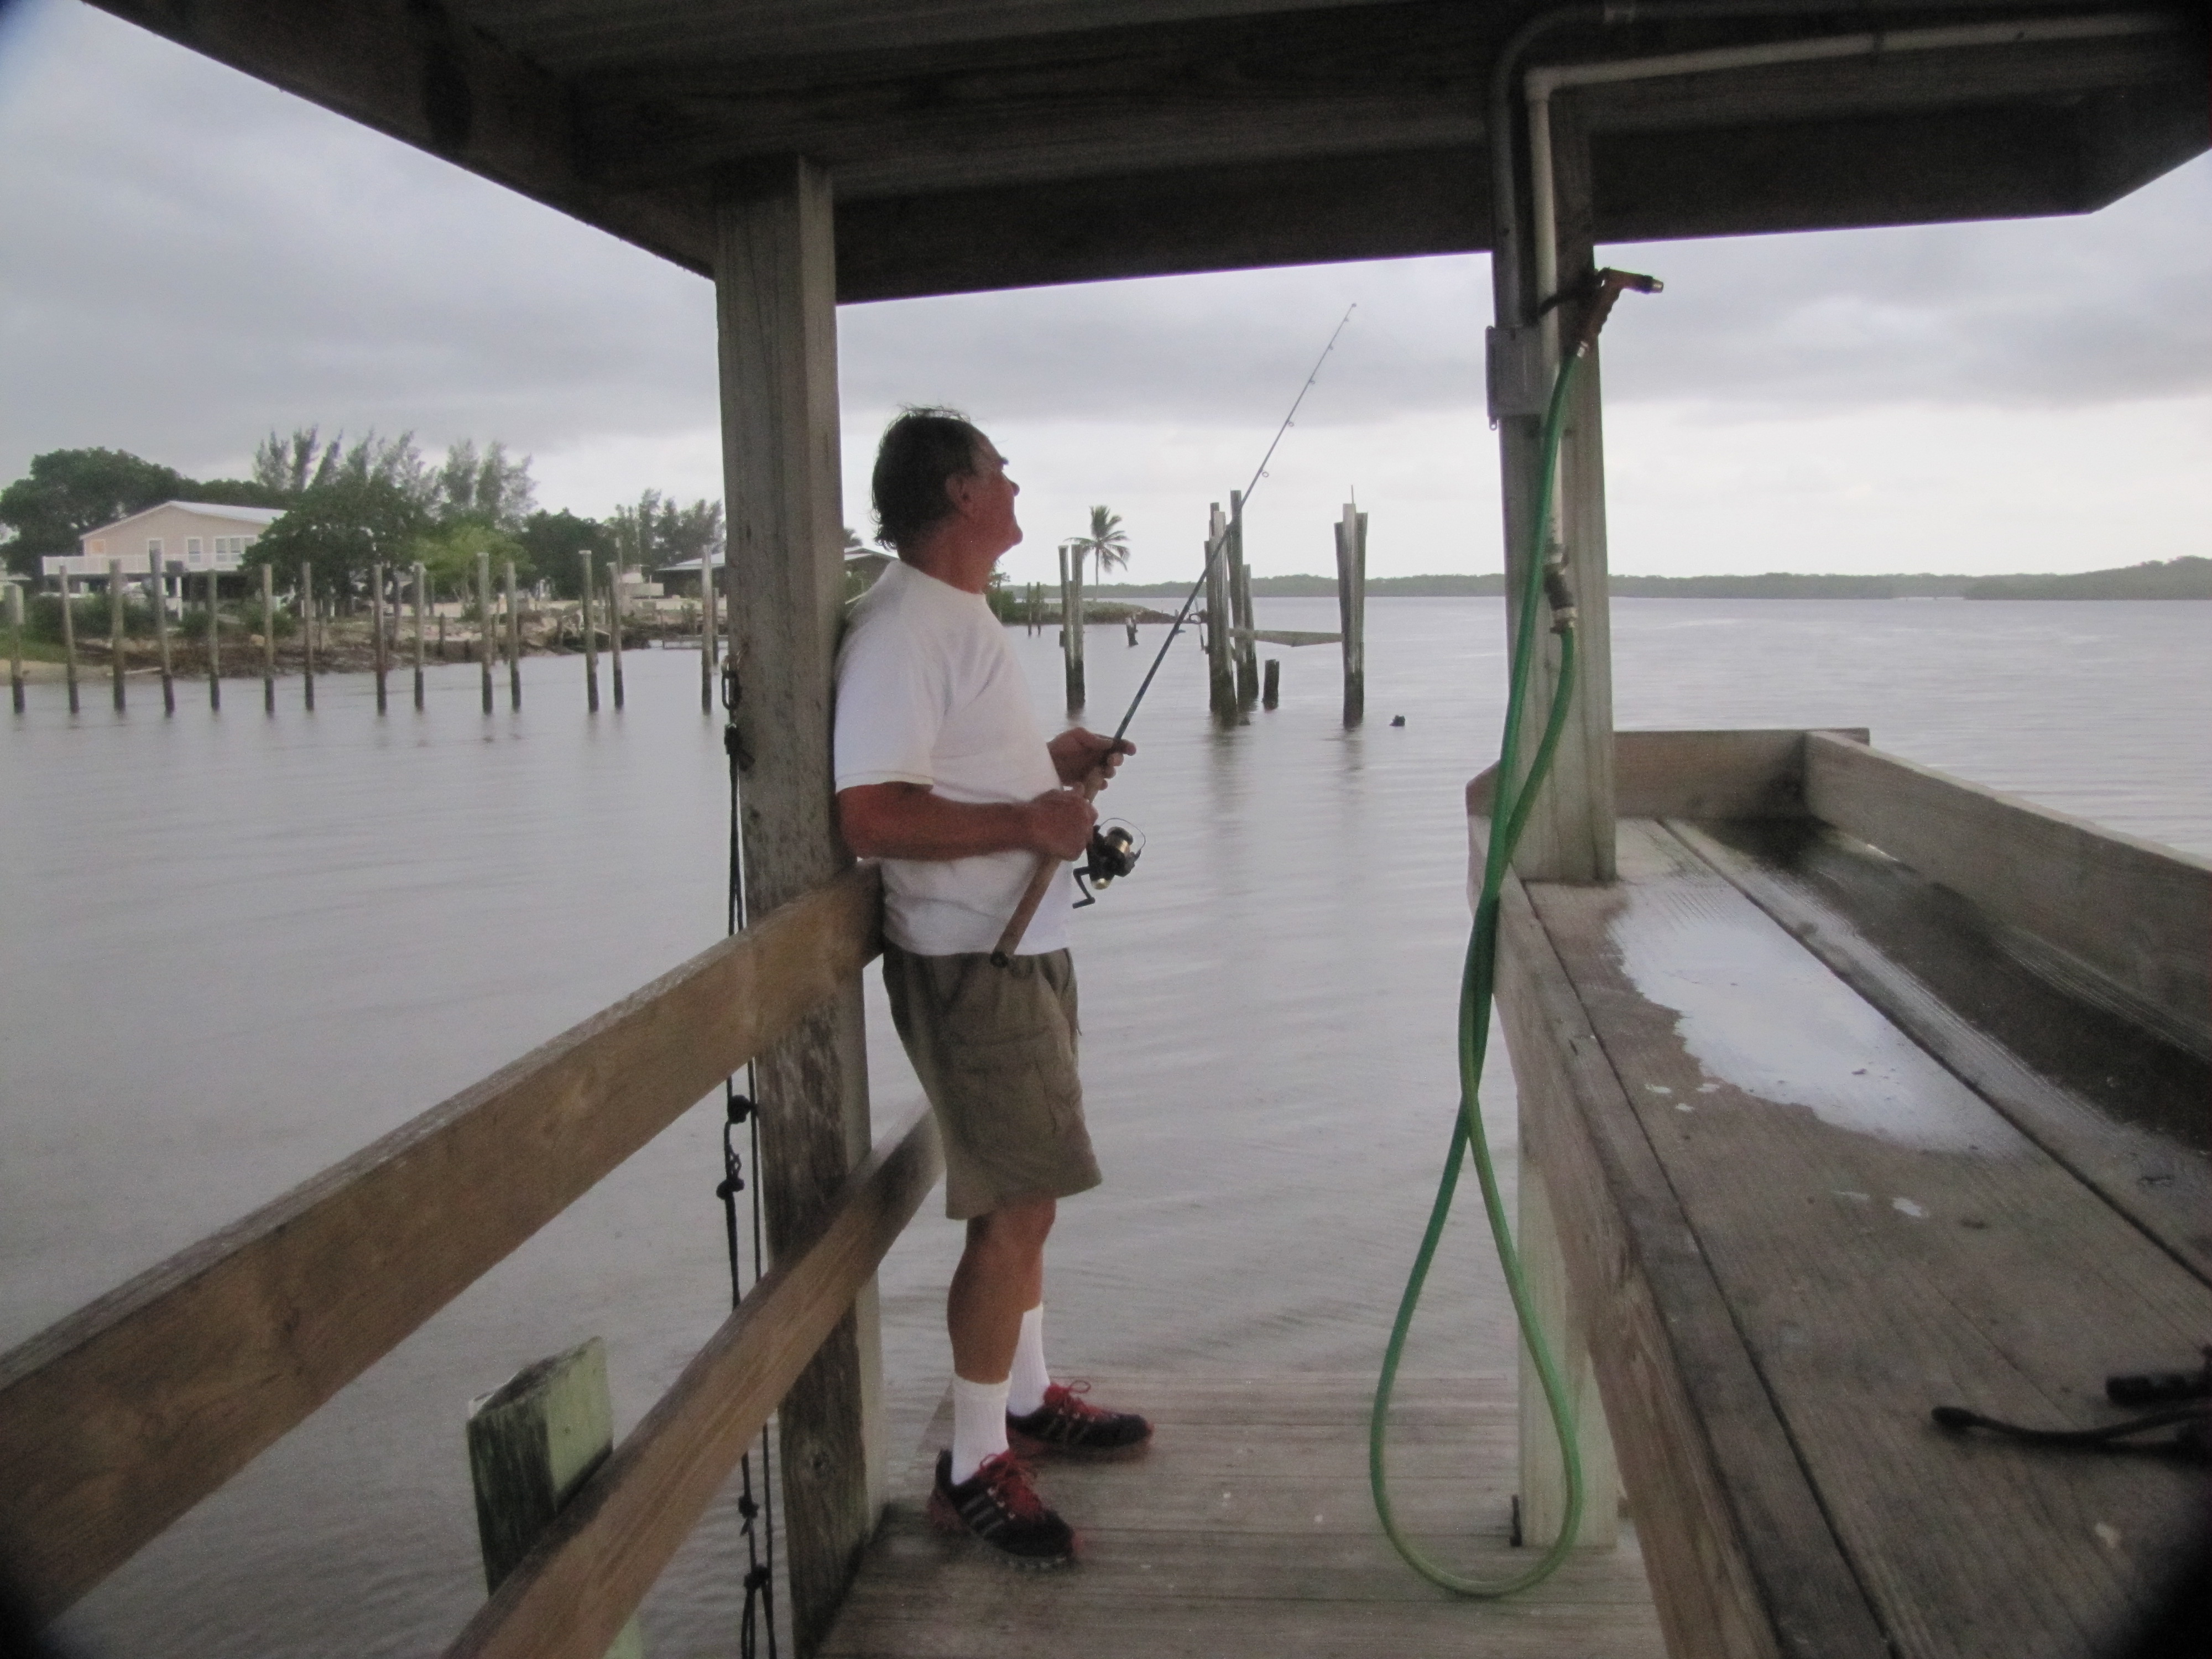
{"x":775,"y":301}
{"x":1570,"y":833}
{"x":115,"y":646}
{"x":487,"y":628}
{"x":514,"y":646}
{"x":307,"y":634}
{"x":268,"y":640}
{"x":421,"y":600}
{"x":158,"y":587}
{"x":1351,"y":610}
{"x":15,"y":644}
{"x":376,"y":628}
{"x":1071,"y":615}
{"x":1240,"y":605}
{"x":69,"y":640}
{"x":1220,"y":623}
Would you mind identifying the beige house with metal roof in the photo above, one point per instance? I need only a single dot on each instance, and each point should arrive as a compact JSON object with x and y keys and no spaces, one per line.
{"x":195,"y":537}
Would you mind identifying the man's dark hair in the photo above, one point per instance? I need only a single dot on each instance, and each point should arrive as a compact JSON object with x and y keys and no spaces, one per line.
{"x":922,"y":450}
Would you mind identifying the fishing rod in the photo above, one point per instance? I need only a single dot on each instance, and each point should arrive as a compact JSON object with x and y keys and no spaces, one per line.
{"x":1114,"y":848}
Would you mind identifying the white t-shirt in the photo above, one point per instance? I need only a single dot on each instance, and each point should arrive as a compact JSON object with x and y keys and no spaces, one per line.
{"x":928,"y":692}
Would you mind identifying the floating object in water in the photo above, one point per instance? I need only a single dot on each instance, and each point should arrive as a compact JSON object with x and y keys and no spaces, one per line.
{"x":1397,"y":719}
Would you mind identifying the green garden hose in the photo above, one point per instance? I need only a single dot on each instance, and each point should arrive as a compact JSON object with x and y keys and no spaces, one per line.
{"x":1509,"y":816}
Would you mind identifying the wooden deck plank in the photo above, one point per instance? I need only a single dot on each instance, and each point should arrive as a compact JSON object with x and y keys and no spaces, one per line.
{"x":1248,"y":1529}
{"x":1901,"y":1245}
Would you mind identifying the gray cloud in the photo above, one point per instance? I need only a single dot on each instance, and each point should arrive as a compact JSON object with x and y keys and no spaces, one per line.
{"x":213,"y":258}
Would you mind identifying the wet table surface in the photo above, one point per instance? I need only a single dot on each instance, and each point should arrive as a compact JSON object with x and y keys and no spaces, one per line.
{"x":1999,"y":1228}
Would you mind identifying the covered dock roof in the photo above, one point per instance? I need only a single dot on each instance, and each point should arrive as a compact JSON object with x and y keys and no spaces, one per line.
{"x":1110,"y":138}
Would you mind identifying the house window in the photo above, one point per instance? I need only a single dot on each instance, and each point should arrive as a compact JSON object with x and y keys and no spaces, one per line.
{"x":192,"y":554}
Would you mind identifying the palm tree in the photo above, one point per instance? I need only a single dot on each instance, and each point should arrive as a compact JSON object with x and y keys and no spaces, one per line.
{"x":1107,"y":543}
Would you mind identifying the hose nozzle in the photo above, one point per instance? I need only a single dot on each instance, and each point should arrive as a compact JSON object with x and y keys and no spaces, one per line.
{"x":1599,"y":290}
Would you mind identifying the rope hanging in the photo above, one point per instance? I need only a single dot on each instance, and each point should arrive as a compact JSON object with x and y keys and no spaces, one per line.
{"x":755,"y":1522}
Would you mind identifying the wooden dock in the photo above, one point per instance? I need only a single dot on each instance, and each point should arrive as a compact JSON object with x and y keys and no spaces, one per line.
{"x":1249,"y":1530}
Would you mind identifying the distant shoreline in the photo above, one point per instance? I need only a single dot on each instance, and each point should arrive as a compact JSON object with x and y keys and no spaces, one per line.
{"x":2186,"y":578}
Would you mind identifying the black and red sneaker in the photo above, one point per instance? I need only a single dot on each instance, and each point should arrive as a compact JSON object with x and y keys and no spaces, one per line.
{"x":1068,"y":1426}
{"x":998,"y":1504}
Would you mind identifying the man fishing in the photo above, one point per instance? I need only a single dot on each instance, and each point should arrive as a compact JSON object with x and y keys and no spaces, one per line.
{"x":943,"y":774}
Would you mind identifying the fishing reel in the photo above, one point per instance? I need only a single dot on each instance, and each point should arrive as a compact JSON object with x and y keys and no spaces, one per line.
{"x":1113,"y":852}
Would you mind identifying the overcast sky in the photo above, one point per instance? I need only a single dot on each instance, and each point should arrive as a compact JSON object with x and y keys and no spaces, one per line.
{"x":191,"y":258}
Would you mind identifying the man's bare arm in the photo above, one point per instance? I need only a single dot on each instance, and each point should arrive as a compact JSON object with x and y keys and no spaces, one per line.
{"x":906,"y":821}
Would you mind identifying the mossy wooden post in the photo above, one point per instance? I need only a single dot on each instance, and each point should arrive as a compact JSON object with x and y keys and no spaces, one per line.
{"x":487,"y":630}
{"x":1240,"y":607}
{"x":115,"y":652}
{"x":308,"y":620}
{"x":158,"y":587}
{"x":533,"y":1441}
{"x":376,"y":631}
{"x":1271,"y":691}
{"x":1351,"y":610}
{"x":591,"y":639}
{"x":268,"y":640}
{"x":614,"y":623}
{"x":1220,"y":623}
{"x":514,"y":645}
{"x":69,"y":641}
{"x":776,"y":302}
{"x":214,"y":647}
{"x":15,"y":644}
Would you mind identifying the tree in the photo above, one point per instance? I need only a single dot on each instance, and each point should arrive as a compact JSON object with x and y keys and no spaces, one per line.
{"x":1107,"y":543}
{"x":345,"y":524}
{"x":488,"y":489}
{"x":70,"y":491}
{"x":556,"y":541}
{"x":448,"y":553}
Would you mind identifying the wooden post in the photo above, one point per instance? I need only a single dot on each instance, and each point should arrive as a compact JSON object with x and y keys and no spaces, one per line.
{"x":487,"y":633}
{"x":590,"y":642}
{"x":69,"y":641}
{"x":1351,"y":610}
{"x":1037,"y":603}
{"x":614,"y":623}
{"x":376,"y":629}
{"x":531,"y":1443}
{"x":442,"y":656}
{"x":710,"y":633}
{"x":15,"y":644}
{"x":115,"y":629}
{"x":1220,"y":623}
{"x":1240,"y":606}
{"x":158,"y":587}
{"x":268,"y":640}
{"x":1071,"y":614}
{"x":1570,"y":835}
{"x":308,"y":620}
{"x":776,"y":298}
{"x":1271,"y":692}
{"x":214,"y":647}
{"x":422,"y":583}
{"x":514,"y":647}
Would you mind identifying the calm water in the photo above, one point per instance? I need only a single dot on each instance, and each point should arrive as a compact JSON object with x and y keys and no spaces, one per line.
{"x":235,"y":948}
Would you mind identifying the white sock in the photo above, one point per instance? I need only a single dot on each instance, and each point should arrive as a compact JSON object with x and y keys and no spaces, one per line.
{"x":1025,"y":1387}
{"x":978,"y":1425}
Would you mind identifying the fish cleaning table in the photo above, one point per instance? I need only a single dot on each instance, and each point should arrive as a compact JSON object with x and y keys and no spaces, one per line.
{"x":1828,"y":1144}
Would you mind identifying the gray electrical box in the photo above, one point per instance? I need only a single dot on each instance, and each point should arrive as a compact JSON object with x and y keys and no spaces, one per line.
{"x":1516,"y":372}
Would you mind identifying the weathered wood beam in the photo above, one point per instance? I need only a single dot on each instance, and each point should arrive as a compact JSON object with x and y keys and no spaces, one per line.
{"x":2136,"y":915}
{"x":569,"y":1598}
{"x":1753,"y":773}
{"x":120,"y":1417}
{"x":775,"y":294}
{"x":412,"y":70}
{"x":1072,"y":106}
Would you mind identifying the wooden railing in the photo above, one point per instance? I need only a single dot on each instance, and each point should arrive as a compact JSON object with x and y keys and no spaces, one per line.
{"x":121,"y":1417}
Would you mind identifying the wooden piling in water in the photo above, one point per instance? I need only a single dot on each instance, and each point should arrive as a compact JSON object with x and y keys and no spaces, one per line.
{"x":486,"y":635}
{"x":1351,"y":610}
{"x":615,"y":628}
{"x":68,"y":642}
{"x":514,"y":645}
{"x":376,"y":629}
{"x":1271,"y":691}
{"x":157,"y":585}
{"x":710,"y":638}
{"x":308,"y":620}
{"x":15,"y":644}
{"x":592,"y":644}
{"x":421,"y":579}
{"x":1240,"y":607}
{"x":213,"y":648}
{"x":1070,"y":624}
{"x":115,"y":629}
{"x":533,"y":1443}
{"x":268,"y":640}
{"x":1221,"y":624}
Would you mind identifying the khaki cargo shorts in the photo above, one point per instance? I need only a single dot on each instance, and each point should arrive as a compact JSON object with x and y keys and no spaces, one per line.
{"x":996,"y":1050}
